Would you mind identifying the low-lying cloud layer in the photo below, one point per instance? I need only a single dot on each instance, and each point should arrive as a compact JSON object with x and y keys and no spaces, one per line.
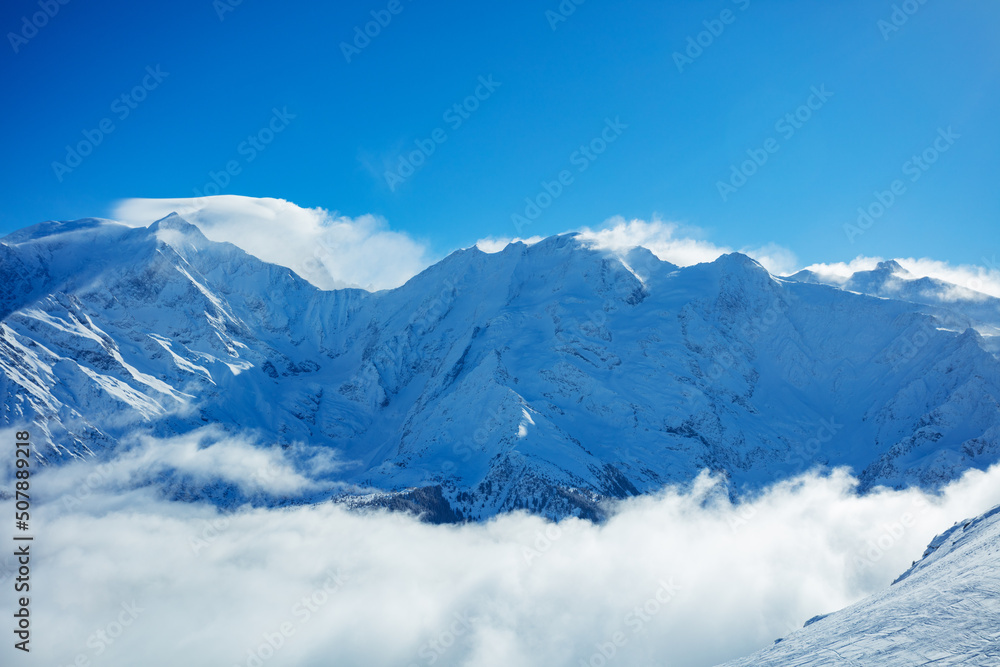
{"x":679,"y":578}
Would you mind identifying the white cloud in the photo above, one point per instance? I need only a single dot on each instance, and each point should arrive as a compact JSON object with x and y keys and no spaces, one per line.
{"x":202,"y":457}
{"x":982,"y":279}
{"x":619,"y":235}
{"x":676,"y":244}
{"x":333,"y":251}
{"x":329,"y":250}
{"x":517,"y":590}
{"x":681,"y":246}
{"x":978,"y":278}
{"x":493,"y":245}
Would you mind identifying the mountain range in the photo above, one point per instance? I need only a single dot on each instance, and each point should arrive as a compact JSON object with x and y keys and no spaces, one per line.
{"x":546,"y":377}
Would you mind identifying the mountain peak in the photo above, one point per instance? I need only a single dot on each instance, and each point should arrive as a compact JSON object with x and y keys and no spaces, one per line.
{"x":737,"y":260}
{"x":891,"y":266}
{"x":55,"y":227}
{"x":178,"y":233}
{"x":171,"y":221}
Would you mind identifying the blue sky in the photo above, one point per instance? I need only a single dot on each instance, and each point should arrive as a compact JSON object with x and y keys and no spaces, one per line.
{"x":892,"y":92}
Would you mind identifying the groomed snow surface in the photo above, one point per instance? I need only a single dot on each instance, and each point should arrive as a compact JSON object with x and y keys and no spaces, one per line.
{"x":943,"y":611}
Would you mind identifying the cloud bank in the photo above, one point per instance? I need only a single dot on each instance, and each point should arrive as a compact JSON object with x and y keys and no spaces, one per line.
{"x":329,"y":250}
{"x":680,"y":578}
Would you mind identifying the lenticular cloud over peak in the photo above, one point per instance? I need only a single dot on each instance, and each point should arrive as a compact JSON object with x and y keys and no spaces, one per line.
{"x":329,"y":250}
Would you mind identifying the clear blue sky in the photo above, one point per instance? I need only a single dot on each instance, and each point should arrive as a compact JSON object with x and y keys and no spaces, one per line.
{"x":607,"y":60}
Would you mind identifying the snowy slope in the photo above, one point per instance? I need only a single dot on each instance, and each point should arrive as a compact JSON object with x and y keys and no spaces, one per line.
{"x":959,"y":307}
{"x":543,"y":377}
{"x":944,"y":611}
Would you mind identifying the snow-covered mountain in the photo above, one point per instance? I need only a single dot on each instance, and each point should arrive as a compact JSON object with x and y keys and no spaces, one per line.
{"x":943,"y":611}
{"x":544,"y":376}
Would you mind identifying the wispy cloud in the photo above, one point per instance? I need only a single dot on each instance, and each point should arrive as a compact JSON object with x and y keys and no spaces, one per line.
{"x":983,"y":279}
{"x":678,"y":244}
{"x":327,"y":249}
{"x":334,"y":251}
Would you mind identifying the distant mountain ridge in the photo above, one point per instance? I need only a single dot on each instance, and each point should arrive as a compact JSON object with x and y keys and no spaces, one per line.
{"x":544,"y":377}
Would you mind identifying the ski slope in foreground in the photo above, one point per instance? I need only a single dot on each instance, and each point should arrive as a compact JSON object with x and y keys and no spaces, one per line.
{"x":945,"y":610}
